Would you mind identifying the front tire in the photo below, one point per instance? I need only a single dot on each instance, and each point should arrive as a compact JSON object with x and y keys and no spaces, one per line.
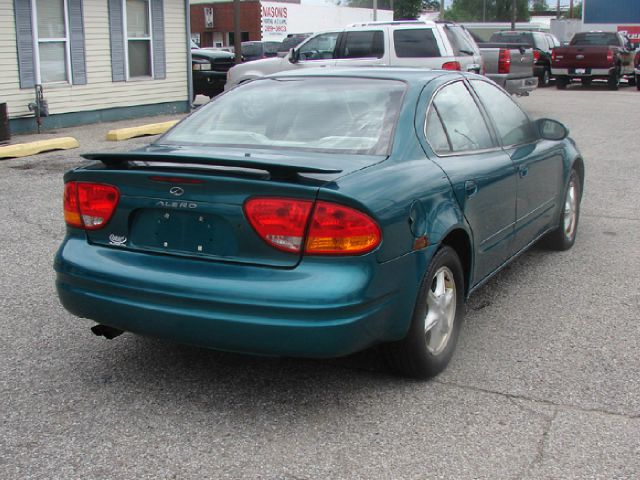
{"x":436,"y":321}
{"x":563,"y":237}
{"x":638,"y":82}
{"x":544,"y":79}
{"x":614,"y":80}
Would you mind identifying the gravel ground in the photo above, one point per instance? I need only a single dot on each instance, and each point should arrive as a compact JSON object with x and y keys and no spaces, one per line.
{"x":545,"y":382}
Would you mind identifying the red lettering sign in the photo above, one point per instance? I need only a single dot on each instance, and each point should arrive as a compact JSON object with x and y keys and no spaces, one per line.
{"x":632,"y":32}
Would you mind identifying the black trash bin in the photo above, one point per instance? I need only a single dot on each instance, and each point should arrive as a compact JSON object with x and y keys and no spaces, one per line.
{"x":5,"y":133}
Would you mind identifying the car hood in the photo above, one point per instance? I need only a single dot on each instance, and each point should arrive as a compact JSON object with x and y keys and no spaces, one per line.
{"x":211,"y":54}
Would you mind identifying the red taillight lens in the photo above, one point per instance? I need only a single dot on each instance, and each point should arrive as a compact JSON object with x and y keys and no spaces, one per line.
{"x":281,"y":222}
{"x":451,"y":66}
{"x":504,"y":61}
{"x":553,"y":55}
{"x":89,"y":205}
{"x":339,"y":230}
{"x":333,"y":229}
{"x":610,"y":56}
{"x":536,"y":55}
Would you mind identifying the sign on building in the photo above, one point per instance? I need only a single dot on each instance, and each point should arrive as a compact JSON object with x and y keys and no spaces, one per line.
{"x":632,"y":32}
{"x":208,"y":17}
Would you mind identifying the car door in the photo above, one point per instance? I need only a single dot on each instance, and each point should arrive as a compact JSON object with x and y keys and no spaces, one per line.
{"x":538,"y":163}
{"x":481,"y":173}
{"x":361,"y":48}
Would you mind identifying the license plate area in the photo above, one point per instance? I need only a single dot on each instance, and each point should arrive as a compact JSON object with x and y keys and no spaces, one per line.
{"x":180,"y":232}
{"x":580,"y":71}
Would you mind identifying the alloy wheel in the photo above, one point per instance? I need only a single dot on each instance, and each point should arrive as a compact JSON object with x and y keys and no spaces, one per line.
{"x":441,"y":310}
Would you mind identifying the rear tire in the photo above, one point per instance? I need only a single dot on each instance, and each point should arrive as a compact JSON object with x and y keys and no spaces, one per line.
{"x":586,"y":82}
{"x":614,"y":80}
{"x":638,"y":82}
{"x":544,"y":79}
{"x":632,"y":81}
{"x":436,"y":321}
{"x":564,"y":236}
{"x":561,"y":82}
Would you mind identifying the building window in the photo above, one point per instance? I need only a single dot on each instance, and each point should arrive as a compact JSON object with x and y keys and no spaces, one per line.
{"x":51,"y":41}
{"x":138,"y":30}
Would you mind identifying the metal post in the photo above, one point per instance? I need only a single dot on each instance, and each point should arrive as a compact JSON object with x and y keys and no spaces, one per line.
{"x":558,"y":11}
{"x":441,"y":9}
{"x":375,"y":10}
{"x":484,"y":10}
{"x":237,"y":41}
{"x":570,"y":8}
{"x":513,"y":14}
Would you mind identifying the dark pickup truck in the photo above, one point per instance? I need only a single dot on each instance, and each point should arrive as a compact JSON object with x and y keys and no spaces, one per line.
{"x":594,"y":55}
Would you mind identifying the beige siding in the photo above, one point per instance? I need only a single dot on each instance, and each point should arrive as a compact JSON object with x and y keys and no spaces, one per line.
{"x":100,"y":92}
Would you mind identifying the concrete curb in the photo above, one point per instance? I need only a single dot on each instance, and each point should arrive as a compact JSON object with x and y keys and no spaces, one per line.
{"x":32,"y":148}
{"x":131,"y":132}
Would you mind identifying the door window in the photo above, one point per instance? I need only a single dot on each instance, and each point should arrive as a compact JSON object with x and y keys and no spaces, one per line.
{"x":462,"y":121}
{"x":416,"y":43}
{"x":321,"y":47}
{"x":459,"y":41}
{"x":363,"y":45}
{"x":512,"y":124}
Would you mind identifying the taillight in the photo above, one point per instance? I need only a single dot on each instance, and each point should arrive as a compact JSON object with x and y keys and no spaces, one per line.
{"x":504,"y":61}
{"x":339,"y":230}
{"x":536,"y":55}
{"x":451,"y":66}
{"x":553,"y":55}
{"x":333,"y":229}
{"x":89,"y":205}
{"x":280,"y":222}
{"x":610,"y":56}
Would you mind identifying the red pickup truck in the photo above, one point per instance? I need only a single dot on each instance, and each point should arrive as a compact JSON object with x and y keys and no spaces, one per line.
{"x":604,"y":55}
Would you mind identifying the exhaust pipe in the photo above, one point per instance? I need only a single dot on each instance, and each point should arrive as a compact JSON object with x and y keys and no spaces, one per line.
{"x":106,"y":332}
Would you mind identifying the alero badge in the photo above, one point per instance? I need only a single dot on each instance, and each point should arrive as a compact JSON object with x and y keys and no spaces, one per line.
{"x":117,"y":240}
{"x":176,"y":191}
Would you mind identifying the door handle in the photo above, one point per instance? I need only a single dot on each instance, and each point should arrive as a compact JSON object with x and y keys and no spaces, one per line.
{"x":471,"y":188}
{"x":523,"y":171}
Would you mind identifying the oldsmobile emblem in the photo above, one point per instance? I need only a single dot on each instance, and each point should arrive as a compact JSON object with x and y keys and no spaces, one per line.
{"x":176,"y":191}
{"x":118,"y":240}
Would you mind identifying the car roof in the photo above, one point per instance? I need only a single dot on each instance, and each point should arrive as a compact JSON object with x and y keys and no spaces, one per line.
{"x":405,"y":74}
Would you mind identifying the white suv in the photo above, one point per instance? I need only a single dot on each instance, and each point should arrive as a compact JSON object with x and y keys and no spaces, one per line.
{"x":434,"y":45}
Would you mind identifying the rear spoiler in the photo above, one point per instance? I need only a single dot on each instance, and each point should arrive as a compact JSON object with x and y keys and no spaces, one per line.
{"x":279,"y":170}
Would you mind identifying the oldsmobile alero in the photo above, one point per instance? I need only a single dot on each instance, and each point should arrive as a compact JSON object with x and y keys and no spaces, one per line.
{"x":318,"y":213}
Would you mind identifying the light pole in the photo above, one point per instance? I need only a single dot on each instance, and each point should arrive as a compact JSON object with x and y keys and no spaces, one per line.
{"x":513,"y":14}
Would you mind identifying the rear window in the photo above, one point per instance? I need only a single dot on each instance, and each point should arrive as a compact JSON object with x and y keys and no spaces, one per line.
{"x":460,"y":41}
{"x":513,"y":37}
{"x":252,"y":49}
{"x":419,"y":43}
{"x":363,"y":45}
{"x":320,"y":114}
{"x":595,"y":38}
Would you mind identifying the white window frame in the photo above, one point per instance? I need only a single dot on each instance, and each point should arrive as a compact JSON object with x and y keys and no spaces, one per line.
{"x":127,"y":39}
{"x":37,"y":41}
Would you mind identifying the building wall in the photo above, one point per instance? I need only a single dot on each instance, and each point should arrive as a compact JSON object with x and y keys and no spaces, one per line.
{"x":290,"y":18}
{"x":223,"y":20}
{"x":100,"y":92}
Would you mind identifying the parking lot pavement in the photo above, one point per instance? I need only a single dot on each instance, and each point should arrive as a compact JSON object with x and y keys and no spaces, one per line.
{"x":545,"y":382}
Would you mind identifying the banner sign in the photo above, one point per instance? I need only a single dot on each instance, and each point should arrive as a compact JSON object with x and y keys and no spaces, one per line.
{"x":632,"y":32}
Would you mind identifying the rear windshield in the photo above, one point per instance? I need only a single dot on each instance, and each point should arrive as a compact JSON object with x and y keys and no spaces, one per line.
{"x":513,"y":37}
{"x":595,"y":38}
{"x":419,"y":43}
{"x":322,"y":114}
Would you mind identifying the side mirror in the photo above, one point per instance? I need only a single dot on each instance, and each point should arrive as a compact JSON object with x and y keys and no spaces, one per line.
{"x":294,"y":55}
{"x":551,"y":129}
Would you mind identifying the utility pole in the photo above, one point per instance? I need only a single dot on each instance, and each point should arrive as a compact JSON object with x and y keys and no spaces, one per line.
{"x":570,"y":8}
{"x":513,"y":14}
{"x":375,"y":10}
{"x":484,"y":10}
{"x":558,"y":10}
{"x":237,"y":41}
{"x":441,"y":9}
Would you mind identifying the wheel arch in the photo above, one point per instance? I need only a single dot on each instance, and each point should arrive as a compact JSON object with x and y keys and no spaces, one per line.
{"x":460,"y":241}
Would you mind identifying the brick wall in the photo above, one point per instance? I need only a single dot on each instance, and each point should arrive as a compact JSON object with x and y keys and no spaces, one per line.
{"x":250,"y":18}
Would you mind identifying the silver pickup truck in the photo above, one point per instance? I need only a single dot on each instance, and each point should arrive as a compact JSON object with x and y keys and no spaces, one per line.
{"x":510,"y":65}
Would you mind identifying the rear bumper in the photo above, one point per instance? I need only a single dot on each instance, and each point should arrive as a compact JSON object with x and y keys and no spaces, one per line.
{"x":588,"y":72}
{"x":515,"y":86}
{"x":321,"y":308}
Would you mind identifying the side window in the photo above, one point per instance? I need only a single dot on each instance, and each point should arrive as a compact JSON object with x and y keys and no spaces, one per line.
{"x":368,"y":44}
{"x":320,"y":47}
{"x":419,"y":43}
{"x":461,"y":119}
{"x":459,"y":42}
{"x":512,"y":124}
{"x":434,"y":131}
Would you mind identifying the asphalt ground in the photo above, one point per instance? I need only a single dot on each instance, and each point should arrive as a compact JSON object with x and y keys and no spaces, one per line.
{"x":545,"y":382}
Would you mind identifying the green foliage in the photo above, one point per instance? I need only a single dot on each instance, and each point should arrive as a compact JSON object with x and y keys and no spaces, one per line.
{"x":407,"y":9}
{"x":496,"y":10}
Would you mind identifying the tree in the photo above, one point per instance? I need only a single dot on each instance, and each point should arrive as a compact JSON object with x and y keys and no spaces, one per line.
{"x":407,"y":9}
{"x":430,"y":5}
{"x":496,"y":10}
